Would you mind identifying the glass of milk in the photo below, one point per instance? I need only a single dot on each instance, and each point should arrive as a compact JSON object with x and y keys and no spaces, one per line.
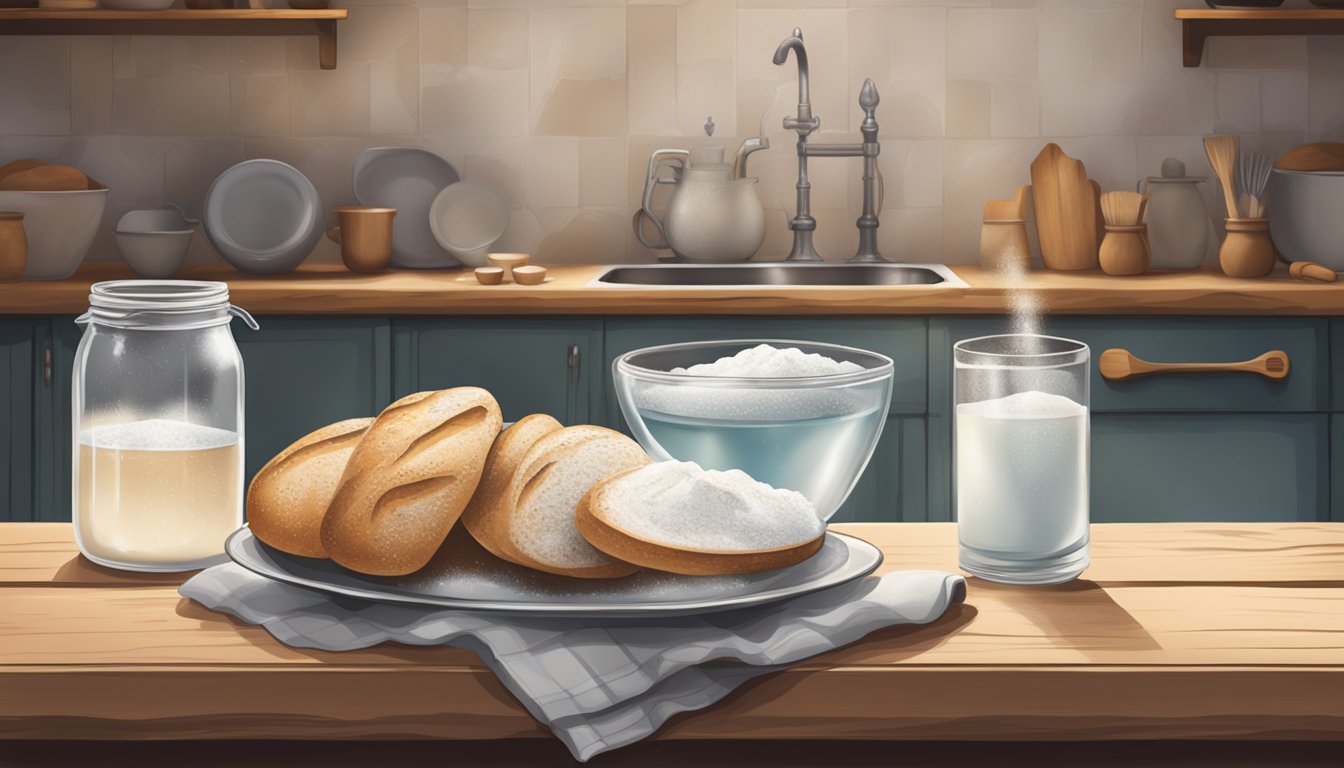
{"x":1021,"y":469}
{"x":157,"y":466}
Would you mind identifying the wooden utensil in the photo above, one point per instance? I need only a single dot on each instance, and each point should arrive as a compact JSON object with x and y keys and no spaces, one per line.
{"x":1223,"y":152}
{"x":1122,"y":365}
{"x":1066,"y":210}
{"x":46,"y":178}
{"x":1322,"y":156}
{"x":1247,"y":250}
{"x":1310,"y":270}
{"x":1123,"y":249}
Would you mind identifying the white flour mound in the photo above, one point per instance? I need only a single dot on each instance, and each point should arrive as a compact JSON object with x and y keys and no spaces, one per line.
{"x":679,"y":504}
{"x":766,"y":362}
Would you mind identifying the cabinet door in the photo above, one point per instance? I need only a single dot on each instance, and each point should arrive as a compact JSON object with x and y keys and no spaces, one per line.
{"x":306,"y":372}
{"x":531,"y":365}
{"x":20,"y":356}
{"x":1337,"y":468}
{"x":1233,"y":468}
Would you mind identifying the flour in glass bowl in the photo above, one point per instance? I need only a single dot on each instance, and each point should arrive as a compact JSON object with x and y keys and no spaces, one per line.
{"x":766,"y":362}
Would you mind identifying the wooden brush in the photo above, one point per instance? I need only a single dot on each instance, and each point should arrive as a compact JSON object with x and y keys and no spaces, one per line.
{"x":1123,"y":209}
{"x":1223,"y":152}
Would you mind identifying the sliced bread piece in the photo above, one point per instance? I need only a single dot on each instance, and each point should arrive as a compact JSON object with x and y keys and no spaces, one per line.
{"x":556,"y":473}
{"x":289,"y":496}
{"x":409,"y":479}
{"x":679,"y":518}
{"x":483,"y":517}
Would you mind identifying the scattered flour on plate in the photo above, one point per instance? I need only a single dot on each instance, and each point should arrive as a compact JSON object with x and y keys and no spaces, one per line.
{"x":679,"y":504}
{"x":766,"y":362}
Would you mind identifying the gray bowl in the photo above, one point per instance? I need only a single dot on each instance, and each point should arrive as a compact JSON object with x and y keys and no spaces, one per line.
{"x":1306,"y":216}
{"x":263,"y":216}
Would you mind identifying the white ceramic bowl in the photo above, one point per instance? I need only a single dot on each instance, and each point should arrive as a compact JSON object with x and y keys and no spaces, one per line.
{"x":468,"y":218}
{"x":811,"y":434}
{"x":154,"y":243}
{"x":60,"y":227}
{"x":1304,"y":216}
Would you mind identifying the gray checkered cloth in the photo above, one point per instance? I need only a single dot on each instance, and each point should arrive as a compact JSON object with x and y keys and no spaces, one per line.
{"x":596,"y":687}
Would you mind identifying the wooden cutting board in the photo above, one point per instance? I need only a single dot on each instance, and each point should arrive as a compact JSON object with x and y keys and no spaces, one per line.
{"x":1066,"y":210}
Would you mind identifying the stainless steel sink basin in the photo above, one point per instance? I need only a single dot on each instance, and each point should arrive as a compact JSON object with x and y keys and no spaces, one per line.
{"x":778,"y":274}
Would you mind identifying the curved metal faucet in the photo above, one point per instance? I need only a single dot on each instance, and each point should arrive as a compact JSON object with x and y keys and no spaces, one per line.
{"x":804,"y":123}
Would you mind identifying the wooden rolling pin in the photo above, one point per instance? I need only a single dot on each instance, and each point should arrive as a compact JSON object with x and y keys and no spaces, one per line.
{"x":1310,"y":270}
{"x":1122,"y":365}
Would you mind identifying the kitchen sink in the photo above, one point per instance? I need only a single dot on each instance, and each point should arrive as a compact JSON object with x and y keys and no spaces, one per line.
{"x":778,"y":274}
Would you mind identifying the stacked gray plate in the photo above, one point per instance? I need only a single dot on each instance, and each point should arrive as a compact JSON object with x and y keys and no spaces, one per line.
{"x":408,"y":179}
{"x":264,"y":217}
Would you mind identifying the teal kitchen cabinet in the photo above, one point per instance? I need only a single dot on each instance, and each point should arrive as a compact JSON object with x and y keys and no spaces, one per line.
{"x":1215,"y":447}
{"x":1337,"y":468}
{"x":1337,"y":365}
{"x":20,"y":371}
{"x":892,"y":487}
{"x":531,"y":365}
{"x":301,"y":373}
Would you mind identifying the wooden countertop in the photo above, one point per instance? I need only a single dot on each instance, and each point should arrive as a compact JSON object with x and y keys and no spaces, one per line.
{"x":328,"y":289}
{"x":1198,"y":631}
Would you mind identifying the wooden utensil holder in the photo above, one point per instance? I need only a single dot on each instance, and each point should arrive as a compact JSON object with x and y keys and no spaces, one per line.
{"x":1247,"y":250}
{"x":1124,"y":250}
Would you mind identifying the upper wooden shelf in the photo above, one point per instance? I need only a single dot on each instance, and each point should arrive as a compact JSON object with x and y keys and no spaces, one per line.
{"x":178,"y":21}
{"x":1199,"y":24}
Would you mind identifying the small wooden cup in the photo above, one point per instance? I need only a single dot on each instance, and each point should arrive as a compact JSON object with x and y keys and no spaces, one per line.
{"x":1247,"y":250}
{"x":489,"y":275}
{"x":365,"y":237}
{"x":507,"y":262}
{"x":13,"y":246}
{"x":529,"y":275}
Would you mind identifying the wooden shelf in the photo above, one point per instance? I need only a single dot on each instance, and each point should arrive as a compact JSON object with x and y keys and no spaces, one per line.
{"x":178,"y":21}
{"x":1199,"y":24}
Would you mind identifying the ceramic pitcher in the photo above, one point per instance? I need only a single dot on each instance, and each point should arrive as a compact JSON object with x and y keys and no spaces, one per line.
{"x":1178,"y":220}
{"x":714,"y":213}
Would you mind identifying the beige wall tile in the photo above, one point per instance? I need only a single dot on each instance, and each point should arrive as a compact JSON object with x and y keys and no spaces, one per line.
{"x":651,"y":68}
{"x":1015,"y":109}
{"x":577,"y":84}
{"x":602,"y":173}
{"x":968,"y":109}
{"x":35,"y":86}
{"x":330,"y":102}
{"x":91,"y":85}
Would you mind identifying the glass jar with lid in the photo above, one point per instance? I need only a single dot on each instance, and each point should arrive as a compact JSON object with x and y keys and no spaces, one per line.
{"x":157,"y":424}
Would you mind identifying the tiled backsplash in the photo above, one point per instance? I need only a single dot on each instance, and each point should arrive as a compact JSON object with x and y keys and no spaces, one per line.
{"x":559,"y":103}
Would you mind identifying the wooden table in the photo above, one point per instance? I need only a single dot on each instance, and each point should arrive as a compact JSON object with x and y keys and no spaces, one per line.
{"x":1178,"y":632}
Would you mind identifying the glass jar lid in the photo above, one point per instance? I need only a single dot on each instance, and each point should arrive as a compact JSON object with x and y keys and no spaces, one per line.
{"x":162,"y":305}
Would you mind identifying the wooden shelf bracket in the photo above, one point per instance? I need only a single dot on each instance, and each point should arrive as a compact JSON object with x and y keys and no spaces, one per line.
{"x":1198,"y":25}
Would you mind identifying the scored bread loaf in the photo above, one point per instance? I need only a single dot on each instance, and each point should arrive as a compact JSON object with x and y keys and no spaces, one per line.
{"x":289,"y":496}
{"x":409,"y":479}
{"x":679,"y":518}
{"x":556,"y":472}
{"x":482,"y":517}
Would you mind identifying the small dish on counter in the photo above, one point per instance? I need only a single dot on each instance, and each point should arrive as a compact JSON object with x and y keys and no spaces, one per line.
{"x":263,"y":217}
{"x":467,"y":218}
{"x":529,"y":274}
{"x":155,"y":243}
{"x":489,"y":275}
{"x":507,"y":262}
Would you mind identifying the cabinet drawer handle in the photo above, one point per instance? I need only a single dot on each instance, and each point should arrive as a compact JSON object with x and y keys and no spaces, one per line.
{"x":1121,"y":364}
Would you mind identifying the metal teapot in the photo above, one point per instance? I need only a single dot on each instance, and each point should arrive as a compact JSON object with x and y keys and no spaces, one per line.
{"x":714,"y":213}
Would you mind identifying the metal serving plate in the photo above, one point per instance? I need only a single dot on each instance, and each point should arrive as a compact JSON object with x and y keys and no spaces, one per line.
{"x":778,"y":274}
{"x":464,"y":576}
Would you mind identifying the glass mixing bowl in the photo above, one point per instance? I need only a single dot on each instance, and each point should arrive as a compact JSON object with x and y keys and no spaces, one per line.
{"x":811,"y":434}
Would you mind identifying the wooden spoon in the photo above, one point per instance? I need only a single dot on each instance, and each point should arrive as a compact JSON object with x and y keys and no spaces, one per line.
{"x":1223,"y":152}
{"x":1122,"y":365}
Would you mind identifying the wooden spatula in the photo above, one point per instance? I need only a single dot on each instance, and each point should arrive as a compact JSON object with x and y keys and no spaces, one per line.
{"x":1066,"y":210}
{"x":1122,"y":365}
{"x":1223,"y":152}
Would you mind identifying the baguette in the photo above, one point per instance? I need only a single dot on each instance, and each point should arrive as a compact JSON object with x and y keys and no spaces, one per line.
{"x":482,"y":517}
{"x":557,"y":471}
{"x":409,"y":480}
{"x":289,"y":496}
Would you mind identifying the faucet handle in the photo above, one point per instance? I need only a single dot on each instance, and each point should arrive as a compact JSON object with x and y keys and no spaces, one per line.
{"x":802,"y":126}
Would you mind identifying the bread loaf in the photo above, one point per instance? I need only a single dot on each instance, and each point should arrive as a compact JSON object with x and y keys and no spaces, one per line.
{"x":289,"y":496}
{"x":482,"y":517}
{"x":409,"y":480}
{"x":554,"y":475}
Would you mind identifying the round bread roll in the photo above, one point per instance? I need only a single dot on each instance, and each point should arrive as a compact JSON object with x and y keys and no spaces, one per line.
{"x":481,"y":517}
{"x":289,"y":496}
{"x":409,"y":479}
{"x":557,"y":471}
